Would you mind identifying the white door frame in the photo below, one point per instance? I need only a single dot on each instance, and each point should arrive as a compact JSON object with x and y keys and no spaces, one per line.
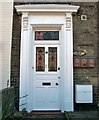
{"x":51,"y":15}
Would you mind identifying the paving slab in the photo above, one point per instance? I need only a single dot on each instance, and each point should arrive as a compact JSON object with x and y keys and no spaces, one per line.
{"x":83,"y":115}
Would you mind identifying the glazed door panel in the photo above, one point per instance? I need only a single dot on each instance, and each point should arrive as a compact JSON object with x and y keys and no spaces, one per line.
{"x":46,"y":77}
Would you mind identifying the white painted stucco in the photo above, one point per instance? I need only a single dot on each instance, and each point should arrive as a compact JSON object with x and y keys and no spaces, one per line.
{"x":6,"y":16}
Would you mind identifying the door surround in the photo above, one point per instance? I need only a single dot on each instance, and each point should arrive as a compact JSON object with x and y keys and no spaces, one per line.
{"x":43,"y":15}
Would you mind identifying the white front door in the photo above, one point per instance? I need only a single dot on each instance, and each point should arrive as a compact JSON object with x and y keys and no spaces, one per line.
{"x":46,"y":77}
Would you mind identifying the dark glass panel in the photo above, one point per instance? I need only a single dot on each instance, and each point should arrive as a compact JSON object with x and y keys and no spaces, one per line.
{"x":40,"y":59}
{"x":52,"y":59}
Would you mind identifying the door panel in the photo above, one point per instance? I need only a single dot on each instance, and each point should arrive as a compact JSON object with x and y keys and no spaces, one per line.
{"x":46,"y":82}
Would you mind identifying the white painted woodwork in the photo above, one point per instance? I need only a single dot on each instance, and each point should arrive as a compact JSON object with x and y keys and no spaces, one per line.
{"x":47,"y":17}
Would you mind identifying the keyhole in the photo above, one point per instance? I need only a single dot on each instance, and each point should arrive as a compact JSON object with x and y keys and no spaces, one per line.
{"x":46,"y":52}
{"x":56,"y":83}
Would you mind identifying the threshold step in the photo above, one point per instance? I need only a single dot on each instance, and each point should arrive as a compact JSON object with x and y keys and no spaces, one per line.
{"x":46,"y":113}
{"x":43,"y":115}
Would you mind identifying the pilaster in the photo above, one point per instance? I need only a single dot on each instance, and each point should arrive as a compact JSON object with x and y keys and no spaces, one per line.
{"x":23,"y":62}
{"x":69,"y":63}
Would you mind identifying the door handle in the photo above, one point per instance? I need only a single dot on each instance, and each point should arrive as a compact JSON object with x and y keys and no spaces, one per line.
{"x":58,"y":68}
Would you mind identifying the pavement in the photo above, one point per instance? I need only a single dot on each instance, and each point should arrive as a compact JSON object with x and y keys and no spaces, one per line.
{"x":83,"y":115}
{"x":89,"y":114}
{"x":76,"y":115}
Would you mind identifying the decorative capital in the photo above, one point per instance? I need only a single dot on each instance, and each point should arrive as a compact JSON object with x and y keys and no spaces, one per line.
{"x":68,"y":20}
{"x":25,"y":21}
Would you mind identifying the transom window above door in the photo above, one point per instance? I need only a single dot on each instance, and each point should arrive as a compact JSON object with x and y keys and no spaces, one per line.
{"x":46,"y":35}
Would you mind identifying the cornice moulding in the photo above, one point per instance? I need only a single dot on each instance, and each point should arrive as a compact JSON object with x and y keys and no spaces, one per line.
{"x":46,"y":8}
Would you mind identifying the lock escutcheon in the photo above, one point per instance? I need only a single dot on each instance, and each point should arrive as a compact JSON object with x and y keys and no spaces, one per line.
{"x":56,"y":83}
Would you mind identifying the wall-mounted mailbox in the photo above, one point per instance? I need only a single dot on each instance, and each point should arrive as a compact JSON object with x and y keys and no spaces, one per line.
{"x":83,"y":94}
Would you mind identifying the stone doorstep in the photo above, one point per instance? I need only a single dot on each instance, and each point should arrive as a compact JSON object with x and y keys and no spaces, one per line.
{"x":46,"y":113}
{"x":47,"y":116}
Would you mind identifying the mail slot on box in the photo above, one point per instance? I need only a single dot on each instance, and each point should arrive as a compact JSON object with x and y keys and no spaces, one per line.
{"x":83,"y":94}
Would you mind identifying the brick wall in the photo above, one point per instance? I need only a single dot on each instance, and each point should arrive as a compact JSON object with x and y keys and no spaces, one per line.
{"x":85,"y":38}
{"x":15,"y":53}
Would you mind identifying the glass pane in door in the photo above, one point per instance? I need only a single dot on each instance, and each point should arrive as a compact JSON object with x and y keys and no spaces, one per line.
{"x":52,"y":59}
{"x":40,"y":59}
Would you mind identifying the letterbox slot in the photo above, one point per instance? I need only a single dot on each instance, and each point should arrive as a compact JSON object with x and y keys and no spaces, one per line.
{"x":46,"y":84}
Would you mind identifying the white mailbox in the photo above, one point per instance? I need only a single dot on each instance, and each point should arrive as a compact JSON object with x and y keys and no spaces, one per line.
{"x":83,"y":93}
